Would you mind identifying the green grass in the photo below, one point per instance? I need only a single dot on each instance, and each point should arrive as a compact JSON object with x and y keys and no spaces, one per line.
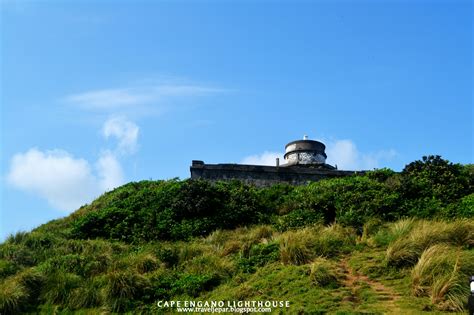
{"x":311,"y":267}
{"x":305,"y":269}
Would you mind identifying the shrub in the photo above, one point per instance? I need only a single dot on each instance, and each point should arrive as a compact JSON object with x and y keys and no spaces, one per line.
{"x":7,"y":268}
{"x":350,"y":200}
{"x":297,"y":218}
{"x":161,"y":283}
{"x":169,"y":255}
{"x":18,"y":254}
{"x":194,"y":284}
{"x":431,"y":183}
{"x":173,"y":210}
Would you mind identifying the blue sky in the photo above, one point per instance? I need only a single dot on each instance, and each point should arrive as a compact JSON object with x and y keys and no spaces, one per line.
{"x":95,"y":94}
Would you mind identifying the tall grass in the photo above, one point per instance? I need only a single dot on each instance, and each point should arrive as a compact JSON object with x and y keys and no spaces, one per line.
{"x":393,"y":232}
{"x":88,"y":295}
{"x":295,"y":247}
{"x":301,"y":246}
{"x":408,"y":247}
{"x":442,"y":272}
{"x":59,"y":286}
{"x":122,"y":287}
{"x":218,"y":268}
{"x":322,"y":273}
{"x":13,"y":295}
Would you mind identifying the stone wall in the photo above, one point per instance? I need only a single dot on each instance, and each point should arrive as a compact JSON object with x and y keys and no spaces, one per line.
{"x":263,"y":175}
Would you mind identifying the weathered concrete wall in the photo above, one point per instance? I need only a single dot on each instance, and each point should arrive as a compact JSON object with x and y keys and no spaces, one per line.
{"x":262,"y":175}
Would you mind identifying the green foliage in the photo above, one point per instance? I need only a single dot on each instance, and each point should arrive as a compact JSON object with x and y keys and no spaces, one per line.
{"x":350,"y":201}
{"x":7,"y":268}
{"x":173,"y":210}
{"x":258,"y":256}
{"x":432,"y":182}
{"x":193,"y":285}
{"x":169,"y":255}
{"x":297,"y":219}
{"x":180,"y":210}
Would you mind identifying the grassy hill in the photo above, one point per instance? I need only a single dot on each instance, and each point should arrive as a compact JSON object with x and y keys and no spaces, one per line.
{"x":384,"y":242}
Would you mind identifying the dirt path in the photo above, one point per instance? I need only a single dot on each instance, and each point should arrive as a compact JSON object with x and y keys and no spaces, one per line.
{"x":353,"y":280}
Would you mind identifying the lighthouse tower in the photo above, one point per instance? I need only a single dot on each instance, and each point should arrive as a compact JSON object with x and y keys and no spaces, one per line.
{"x":309,"y":153}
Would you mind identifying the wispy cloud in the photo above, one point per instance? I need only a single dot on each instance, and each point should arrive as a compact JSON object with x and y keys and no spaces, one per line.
{"x":120,"y":98}
{"x":125,"y":131}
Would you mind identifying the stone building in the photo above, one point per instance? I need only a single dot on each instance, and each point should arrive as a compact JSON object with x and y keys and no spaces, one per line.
{"x":304,"y":161}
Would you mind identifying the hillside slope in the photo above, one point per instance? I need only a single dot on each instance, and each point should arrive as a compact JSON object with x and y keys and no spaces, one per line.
{"x":385,"y":242}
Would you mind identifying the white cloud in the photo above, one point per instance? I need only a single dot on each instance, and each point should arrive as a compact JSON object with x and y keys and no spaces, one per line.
{"x":109,"y":172}
{"x":67,"y":182}
{"x":64,"y":181}
{"x":346,"y":156}
{"x":125,"y":131}
{"x":266,"y":158}
{"x":120,"y":98}
{"x":343,"y":153}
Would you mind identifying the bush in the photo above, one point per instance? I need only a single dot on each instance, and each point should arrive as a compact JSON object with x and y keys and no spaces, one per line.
{"x":169,"y":255}
{"x":435,"y":179}
{"x":297,"y":219}
{"x":7,"y":268}
{"x":349,"y":201}
{"x":173,"y":210}
{"x":194,"y":284}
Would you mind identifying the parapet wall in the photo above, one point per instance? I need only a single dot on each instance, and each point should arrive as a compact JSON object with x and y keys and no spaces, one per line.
{"x":259,"y":175}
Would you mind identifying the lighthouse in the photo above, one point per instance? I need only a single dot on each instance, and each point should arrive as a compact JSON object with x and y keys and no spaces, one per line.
{"x":306,"y":153}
